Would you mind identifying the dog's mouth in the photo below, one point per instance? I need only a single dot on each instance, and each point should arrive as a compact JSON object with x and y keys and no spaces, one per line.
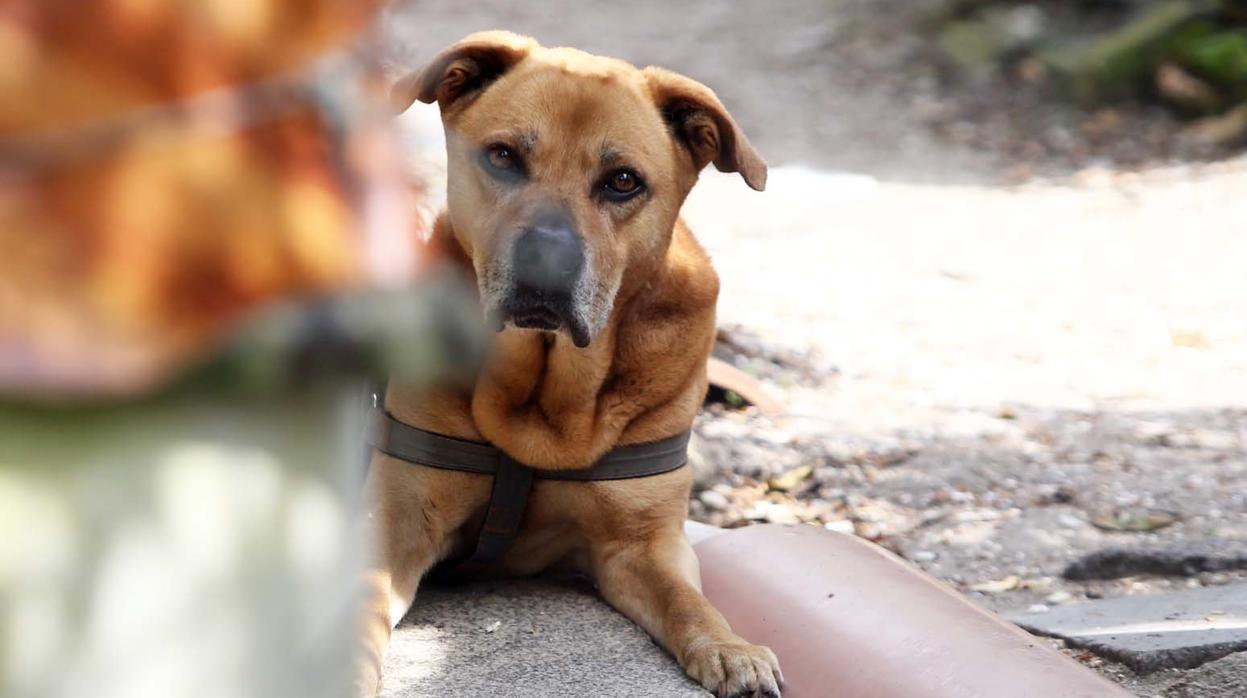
{"x":537,"y":319}
{"x":534,"y":312}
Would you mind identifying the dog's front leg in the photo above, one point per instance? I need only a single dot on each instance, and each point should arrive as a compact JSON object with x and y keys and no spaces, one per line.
{"x":382,"y":587}
{"x":656,"y":583}
{"x":413,"y":512}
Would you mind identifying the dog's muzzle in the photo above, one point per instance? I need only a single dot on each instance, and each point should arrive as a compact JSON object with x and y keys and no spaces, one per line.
{"x":546,"y":263}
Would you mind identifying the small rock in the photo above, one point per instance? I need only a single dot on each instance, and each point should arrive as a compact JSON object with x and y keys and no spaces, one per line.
{"x":841,"y":526}
{"x":1037,"y":608}
{"x":492,"y":627}
{"x":774,"y":437}
{"x":1212,"y":440}
{"x":1070,"y":521}
{"x":1037,"y":584}
{"x":976,"y":515}
{"x":960,"y":496}
{"x":1058,"y":597}
{"x":1025,"y":23}
{"x":714,"y":501}
{"x":778,"y":514}
{"x":923,"y":556}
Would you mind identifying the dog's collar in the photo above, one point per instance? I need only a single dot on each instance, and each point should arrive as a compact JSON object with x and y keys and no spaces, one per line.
{"x":421,"y":447}
{"x":513,"y":481}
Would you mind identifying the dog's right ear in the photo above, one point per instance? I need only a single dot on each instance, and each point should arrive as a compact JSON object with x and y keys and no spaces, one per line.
{"x":461,"y":70}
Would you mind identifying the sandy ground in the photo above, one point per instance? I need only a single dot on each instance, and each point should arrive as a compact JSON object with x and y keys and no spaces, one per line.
{"x":974,"y":374}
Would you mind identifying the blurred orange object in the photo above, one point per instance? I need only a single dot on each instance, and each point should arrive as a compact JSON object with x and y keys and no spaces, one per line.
{"x":167,"y":167}
{"x":66,"y":62}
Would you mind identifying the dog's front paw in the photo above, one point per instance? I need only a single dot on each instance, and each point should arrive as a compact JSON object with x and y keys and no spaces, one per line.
{"x":734,"y":669}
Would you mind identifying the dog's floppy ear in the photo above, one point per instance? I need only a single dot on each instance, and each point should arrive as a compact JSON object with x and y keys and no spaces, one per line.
{"x":702,"y":124}
{"x":464,"y":68}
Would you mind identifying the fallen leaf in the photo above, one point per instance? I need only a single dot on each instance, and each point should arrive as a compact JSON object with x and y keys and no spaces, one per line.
{"x":1189,"y":340}
{"x":1134,"y":520}
{"x":741,"y":386}
{"x":789,"y":480}
{"x":997,"y":586}
{"x":1180,"y":87}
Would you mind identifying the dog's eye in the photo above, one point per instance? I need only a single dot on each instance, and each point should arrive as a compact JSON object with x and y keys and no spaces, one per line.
{"x":622,"y":185}
{"x":502,"y":162}
{"x":501,"y":158}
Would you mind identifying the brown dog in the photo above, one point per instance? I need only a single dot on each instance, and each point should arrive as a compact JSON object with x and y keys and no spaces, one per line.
{"x":566,"y":176}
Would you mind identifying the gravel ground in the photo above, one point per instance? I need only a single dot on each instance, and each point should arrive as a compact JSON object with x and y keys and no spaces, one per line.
{"x":991,"y":379}
{"x":988,"y":381}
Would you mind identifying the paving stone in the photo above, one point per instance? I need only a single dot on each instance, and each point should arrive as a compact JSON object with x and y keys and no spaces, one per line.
{"x":526,"y":639}
{"x":1148,"y":633}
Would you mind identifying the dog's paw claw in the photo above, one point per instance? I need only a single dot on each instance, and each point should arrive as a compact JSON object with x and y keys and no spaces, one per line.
{"x":735,"y":669}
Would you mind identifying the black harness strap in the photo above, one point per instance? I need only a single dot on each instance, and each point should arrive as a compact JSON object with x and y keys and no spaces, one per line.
{"x":513,"y":481}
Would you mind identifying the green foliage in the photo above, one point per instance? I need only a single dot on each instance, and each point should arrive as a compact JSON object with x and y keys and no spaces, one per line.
{"x":1214,"y":53}
{"x":1104,"y":62}
{"x":972,"y":45}
{"x":1122,"y":63}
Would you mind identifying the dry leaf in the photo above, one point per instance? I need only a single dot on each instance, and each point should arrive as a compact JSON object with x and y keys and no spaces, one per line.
{"x":997,"y":586}
{"x":1134,"y":520}
{"x":789,"y":480}
{"x":743,"y":385}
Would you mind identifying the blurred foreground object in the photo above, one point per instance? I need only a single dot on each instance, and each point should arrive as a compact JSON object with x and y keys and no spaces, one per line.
{"x":147,"y":203}
{"x":206,"y":243}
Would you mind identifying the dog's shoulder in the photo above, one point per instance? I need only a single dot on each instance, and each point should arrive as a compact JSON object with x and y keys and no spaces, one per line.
{"x":685,"y":285}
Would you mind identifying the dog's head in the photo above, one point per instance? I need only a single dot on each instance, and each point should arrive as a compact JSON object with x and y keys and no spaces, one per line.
{"x":567,"y":171}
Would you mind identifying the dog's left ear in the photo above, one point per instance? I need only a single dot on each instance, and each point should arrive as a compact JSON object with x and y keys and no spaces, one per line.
{"x":702,"y":124}
{"x":462,"y":70}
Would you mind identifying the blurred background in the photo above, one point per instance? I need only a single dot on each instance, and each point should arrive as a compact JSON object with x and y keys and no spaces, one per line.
{"x":995,"y":290}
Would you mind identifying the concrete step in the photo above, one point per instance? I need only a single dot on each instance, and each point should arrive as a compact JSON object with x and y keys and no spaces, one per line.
{"x":526,"y":639}
{"x":1148,"y":633}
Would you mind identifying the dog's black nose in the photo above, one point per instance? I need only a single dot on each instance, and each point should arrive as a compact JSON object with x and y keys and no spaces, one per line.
{"x":548,"y":256}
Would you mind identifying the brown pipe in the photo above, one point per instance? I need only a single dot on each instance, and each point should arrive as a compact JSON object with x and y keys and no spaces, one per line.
{"x":850,"y":620}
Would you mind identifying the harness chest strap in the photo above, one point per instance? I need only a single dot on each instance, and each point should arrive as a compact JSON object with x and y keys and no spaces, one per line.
{"x":513,"y":481}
